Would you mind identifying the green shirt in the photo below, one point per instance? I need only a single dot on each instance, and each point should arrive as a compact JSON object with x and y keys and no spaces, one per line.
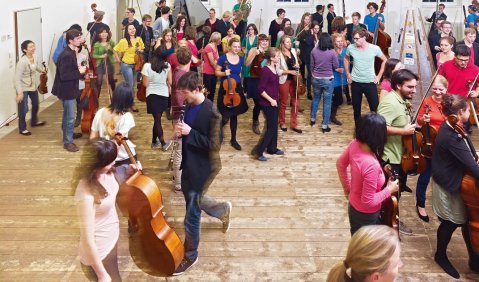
{"x":236,"y":7}
{"x":99,"y":50}
{"x":393,"y":109}
{"x":363,"y":66}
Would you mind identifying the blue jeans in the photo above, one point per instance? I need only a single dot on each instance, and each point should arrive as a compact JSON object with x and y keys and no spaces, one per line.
{"x":320,"y":87}
{"x":422,"y":183}
{"x":129,"y":75}
{"x":23,"y":109}
{"x":195,"y":202}
{"x":68,"y":120}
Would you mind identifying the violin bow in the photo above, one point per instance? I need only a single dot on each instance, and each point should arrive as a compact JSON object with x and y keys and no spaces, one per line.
{"x":471,"y":102}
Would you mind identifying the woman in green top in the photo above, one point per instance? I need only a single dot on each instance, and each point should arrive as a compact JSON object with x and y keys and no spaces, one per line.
{"x":248,"y":42}
{"x":103,"y":53}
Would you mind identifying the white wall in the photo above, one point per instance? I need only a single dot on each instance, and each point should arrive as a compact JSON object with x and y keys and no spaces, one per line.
{"x":56,"y":17}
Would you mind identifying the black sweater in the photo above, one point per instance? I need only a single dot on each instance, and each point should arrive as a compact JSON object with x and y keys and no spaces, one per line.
{"x":65,"y":85}
{"x":450,"y":158}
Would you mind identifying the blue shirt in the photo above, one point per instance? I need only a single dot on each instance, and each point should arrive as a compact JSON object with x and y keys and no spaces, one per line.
{"x":370,"y":22}
{"x":235,"y":69}
{"x":340,"y":78}
{"x":471,"y":18}
{"x":191,"y":113}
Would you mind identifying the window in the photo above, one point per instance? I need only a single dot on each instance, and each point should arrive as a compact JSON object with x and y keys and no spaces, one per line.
{"x":434,"y":1}
{"x":295,"y":1}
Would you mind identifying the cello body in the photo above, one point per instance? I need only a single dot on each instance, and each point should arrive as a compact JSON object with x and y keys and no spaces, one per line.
{"x":412,"y":161}
{"x":89,"y":111}
{"x":154,"y":245}
{"x":381,"y":39}
{"x":390,"y":207}
{"x":470,"y":196}
{"x":43,"y":86}
{"x":140,"y":90}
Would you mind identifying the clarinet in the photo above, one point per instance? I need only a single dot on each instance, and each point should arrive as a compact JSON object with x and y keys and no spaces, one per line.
{"x":175,"y":141}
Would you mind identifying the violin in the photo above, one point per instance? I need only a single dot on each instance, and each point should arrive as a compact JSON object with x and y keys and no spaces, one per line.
{"x":154,"y":246}
{"x":231,"y":98}
{"x":469,"y":187}
{"x":380,"y":38}
{"x":139,"y":59}
{"x":43,"y":87}
{"x":298,"y":81}
{"x":255,"y":68}
{"x":412,"y":161}
{"x":389,"y":207}
{"x":429,"y":134}
{"x":473,"y":104}
{"x":91,"y":93}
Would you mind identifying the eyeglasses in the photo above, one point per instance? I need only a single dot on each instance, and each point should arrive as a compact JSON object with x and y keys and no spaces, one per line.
{"x":356,"y":38}
{"x":463,"y":60}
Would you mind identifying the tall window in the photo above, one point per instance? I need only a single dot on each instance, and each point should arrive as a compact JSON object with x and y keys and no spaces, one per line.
{"x":434,"y":1}
{"x":294,"y":1}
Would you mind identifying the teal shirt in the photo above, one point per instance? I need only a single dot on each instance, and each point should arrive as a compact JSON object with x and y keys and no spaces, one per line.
{"x":393,"y":109}
{"x":246,"y":43}
{"x":363,"y":66}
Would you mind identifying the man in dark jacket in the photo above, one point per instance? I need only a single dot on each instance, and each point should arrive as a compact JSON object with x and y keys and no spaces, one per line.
{"x":200,"y":164}
{"x":65,"y":86}
{"x":330,"y":17}
{"x":350,"y":27}
{"x":436,"y":15}
{"x":145,"y":31}
{"x":318,"y":16}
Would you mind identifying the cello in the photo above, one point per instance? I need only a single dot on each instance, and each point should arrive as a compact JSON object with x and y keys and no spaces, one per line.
{"x":140,"y":88}
{"x":43,"y":87}
{"x":91,"y":93}
{"x":380,"y":38}
{"x":231,"y":98}
{"x":469,"y":188}
{"x":154,"y":245}
{"x":429,"y":134}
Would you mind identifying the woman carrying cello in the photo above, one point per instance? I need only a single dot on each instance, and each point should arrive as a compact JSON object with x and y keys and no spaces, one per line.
{"x":229,"y":68}
{"x":434,"y":118}
{"x":95,"y":197}
{"x":451,"y":158}
{"x":103,"y":53}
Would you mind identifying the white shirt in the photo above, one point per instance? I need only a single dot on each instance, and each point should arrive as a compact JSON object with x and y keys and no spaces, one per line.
{"x":158,"y":84}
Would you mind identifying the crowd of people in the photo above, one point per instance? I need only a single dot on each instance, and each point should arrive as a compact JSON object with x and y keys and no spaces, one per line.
{"x":181,"y":73}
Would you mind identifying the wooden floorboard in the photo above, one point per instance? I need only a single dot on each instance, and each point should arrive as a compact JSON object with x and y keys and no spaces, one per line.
{"x":289,"y":220}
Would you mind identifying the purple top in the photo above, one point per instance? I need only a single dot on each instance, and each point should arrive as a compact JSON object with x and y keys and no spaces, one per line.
{"x":269,"y":83}
{"x":323,"y":63}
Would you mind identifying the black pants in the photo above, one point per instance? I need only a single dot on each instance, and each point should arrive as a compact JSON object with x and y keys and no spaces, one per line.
{"x":402,"y":175}
{"x":101,"y":71}
{"x":210,"y":84}
{"x":338,"y":95}
{"x":269,"y":140}
{"x":359,"y":219}
{"x":370,"y":91}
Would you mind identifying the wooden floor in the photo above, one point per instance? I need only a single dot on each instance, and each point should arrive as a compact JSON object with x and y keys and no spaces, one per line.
{"x":289,"y":219}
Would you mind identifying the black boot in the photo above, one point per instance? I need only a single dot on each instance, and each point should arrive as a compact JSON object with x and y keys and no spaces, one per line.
{"x":333,"y":118}
{"x":310,"y":97}
{"x":256,"y":127}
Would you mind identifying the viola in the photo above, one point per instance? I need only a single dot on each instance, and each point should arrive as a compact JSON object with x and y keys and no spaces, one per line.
{"x":90,"y":92}
{"x":429,"y":134}
{"x":255,"y":68}
{"x":389,"y":207}
{"x":154,"y":246}
{"x":412,"y":161}
{"x":43,"y":87}
{"x":469,"y":188}
{"x":231,"y":98}
{"x":298,"y":81}
{"x":139,"y":59}
{"x":380,"y":38}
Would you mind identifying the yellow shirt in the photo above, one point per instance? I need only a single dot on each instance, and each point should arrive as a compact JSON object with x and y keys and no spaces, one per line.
{"x":225,"y":42}
{"x":129,"y":52}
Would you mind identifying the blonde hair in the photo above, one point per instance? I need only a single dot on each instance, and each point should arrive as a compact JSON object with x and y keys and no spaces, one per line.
{"x":282,"y":40}
{"x":369,"y":251}
{"x":469,"y":30}
{"x":336,"y":36}
{"x":215,"y":37}
{"x":227,"y":14}
{"x":441,"y":79}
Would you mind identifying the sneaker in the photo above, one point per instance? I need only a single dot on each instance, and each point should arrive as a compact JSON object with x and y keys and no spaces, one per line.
{"x":403,"y":229}
{"x":40,"y":123}
{"x":278,"y":152}
{"x":227,"y":218}
{"x":25,"y":133}
{"x":166,"y":146}
{"x":184,"y":265}
{"x":71,"y":147}
{"x":155,"y":145}
{"x":262,"y":158}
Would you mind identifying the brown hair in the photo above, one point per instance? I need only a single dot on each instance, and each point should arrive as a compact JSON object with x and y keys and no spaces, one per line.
{"x":451,"y":104}
{"x":469,"y":31}
{"x":190,"y":33}
{"x":146,"y":17}
{"x":183,"y":54}
{"x":356,"y":14}
{"x":361,"y":32}
{"x":131,"y":10}
{"x":233,"y":40}
{"x":449,"y":39}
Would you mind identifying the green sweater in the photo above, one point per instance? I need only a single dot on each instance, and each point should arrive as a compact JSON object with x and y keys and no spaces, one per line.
{"x":99,"y":50}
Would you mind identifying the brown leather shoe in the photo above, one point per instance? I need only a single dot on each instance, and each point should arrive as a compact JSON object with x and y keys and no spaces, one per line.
{"x":71,"y":147}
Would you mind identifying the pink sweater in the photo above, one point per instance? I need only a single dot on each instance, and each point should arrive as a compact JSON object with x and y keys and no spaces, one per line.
{"x":367,"y":178}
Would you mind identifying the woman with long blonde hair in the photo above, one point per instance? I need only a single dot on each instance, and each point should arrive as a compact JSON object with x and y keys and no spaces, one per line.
{"x":373,"y":255}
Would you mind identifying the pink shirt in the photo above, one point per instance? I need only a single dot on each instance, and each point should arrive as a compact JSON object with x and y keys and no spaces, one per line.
{"x":367,"y":178}
{"x":386,"y":85}
{"x":107,"y":225}
{"x":207,"y":67}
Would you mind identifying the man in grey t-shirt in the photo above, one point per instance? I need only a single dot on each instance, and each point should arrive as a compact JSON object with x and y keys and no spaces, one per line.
{"x":363,"y":78}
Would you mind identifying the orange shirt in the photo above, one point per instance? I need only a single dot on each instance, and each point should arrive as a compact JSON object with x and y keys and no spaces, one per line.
{"x":435,"y":112}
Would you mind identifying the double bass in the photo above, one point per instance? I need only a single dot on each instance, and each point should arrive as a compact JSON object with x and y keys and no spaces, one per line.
{"x":469,"y":188}
{"x":154,"y":246}
{"x":380,"y":38}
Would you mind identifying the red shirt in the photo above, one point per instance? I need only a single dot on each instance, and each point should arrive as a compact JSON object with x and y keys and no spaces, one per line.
{"x":173,"y":61}
{"x":458,"y":78}
{"x":437,"y":118}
